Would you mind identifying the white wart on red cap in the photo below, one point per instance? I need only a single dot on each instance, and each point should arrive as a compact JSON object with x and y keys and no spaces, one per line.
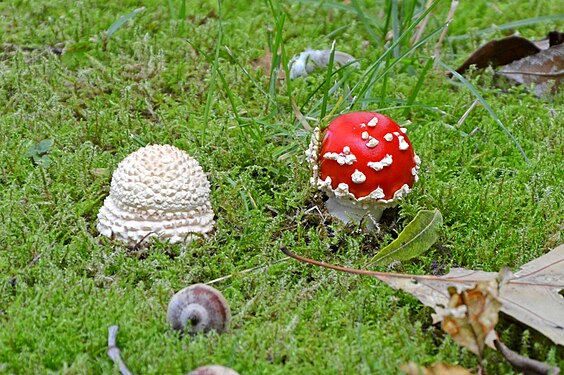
{"x":365,"y":162}
{"x":159,"y":190}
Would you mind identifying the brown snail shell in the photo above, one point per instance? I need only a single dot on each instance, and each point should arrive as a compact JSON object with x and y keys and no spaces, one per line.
{"x":213,"y":370}
{"x":199,"y":308}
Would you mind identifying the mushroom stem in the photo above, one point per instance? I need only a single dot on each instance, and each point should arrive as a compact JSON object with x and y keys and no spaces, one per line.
{"x":348,"y":211}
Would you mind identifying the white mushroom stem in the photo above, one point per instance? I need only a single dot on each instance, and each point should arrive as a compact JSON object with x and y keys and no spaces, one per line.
{"x":348,"y":211}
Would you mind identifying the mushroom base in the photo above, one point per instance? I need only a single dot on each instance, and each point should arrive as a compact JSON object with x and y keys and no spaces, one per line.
{"x":348,"y":211}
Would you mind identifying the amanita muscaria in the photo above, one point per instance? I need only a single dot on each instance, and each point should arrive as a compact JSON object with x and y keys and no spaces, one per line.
{"x":365,"y":163}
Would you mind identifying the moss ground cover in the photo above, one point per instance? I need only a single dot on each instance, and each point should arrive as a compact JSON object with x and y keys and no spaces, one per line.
{"x":183,"y":75}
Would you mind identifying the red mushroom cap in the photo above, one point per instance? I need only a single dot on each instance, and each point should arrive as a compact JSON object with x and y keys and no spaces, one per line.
{"x":369,"y":153}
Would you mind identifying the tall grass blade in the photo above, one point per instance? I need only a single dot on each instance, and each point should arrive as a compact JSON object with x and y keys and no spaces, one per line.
{"x":328,"y":81}
{"x":122,"y":20}
{"x":418,"y":85}
{"x":211,"y":89}
{"x":511,"y":26}
{"x":478,"y":96}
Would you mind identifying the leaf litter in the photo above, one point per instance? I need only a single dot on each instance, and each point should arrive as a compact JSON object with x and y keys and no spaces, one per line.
{"x":523,"y":61}
{"x":531,"y":296}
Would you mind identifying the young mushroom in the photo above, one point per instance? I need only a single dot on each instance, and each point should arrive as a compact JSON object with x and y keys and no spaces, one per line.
{"x":213,"y":370}
{"x":365,"y":163}
{"x":159,"y":190}
{"x":199,"y":308}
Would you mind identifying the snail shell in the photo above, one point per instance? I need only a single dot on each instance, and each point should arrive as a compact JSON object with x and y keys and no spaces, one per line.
{"x":213,"y":370}
{"x":199,"y":308}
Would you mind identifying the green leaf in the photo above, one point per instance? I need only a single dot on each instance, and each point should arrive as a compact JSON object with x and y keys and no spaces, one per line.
{"x":416,"y":238}
{"x":44,"y":146}
{"x":122,"y":20}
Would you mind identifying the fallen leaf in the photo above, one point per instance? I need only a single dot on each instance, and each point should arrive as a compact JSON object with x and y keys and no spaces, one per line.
{"x":416,"y":238}
{"x":265,"y":63}
{"x":499,"y":52}
{"x":532,"y":295}
{"x":545,"y":70}
{"x":472,"y":315}
{"x":437,"y":369}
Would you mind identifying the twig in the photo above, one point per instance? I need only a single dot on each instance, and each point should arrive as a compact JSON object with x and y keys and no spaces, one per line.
{"x":450,"y":17}
{"x":463,"y":118}
{"x":523,"y":364}
{"x":248,"y":270}
{"x":421,"y":27}
{"x":14,"y":47}
{"x":114,"y":352}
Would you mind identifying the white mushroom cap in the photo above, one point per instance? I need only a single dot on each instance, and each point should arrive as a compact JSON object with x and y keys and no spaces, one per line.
{"x":159,"y":190}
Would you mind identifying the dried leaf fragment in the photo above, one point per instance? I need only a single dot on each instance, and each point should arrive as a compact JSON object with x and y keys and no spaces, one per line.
{"x":437,"y":369}
{"x":544,"y":69}
{"x":472,"y":315}
{"x":532,"y":295}
{"x":265,"y":62}
{"x":499,"y":52}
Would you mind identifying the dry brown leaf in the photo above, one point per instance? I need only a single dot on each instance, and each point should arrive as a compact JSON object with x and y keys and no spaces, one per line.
{"x":437,"y":369}
{"x":545,"y":69}
{"x":499,"y":52}
{"x":265,"y":63}
{"x":472,"y":315}
{"x":531,"y":295}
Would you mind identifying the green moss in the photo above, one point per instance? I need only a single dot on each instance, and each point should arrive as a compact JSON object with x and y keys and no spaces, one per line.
{"x":61,"y":285}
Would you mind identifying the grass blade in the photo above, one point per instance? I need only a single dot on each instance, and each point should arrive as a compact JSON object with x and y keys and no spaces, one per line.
{"x":418,"y":85}
{"x":328,"y":81}
{"x":122,"y":20}
{"x":416,"y":238}
{"x":474,"y":91}
{"x":211,"y":89}
{"x":511,"y":25}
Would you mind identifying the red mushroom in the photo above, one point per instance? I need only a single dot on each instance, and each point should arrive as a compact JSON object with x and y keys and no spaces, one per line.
{"x":365,"y":163}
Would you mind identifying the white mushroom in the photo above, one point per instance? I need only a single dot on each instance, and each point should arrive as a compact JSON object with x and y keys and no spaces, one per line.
{"x":159,"y":190}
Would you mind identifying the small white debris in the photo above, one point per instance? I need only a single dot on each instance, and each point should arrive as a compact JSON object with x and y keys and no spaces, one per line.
{"x":388,"y":137}
{"x":417,"y":160}
{"x":396,"y":134}
{"x":365,"y":135}
{"x":403,"y":130}
{"x":373,"y":122}
{"x":363,"y":125}
{"x":403,"y":145}
{"x":372,"y":142}
{"x":307,"y":61}
{"x":358,"y":177}
{"x":414,"y":171}
{"x":346,"y":150}
{"x":379,"y":165}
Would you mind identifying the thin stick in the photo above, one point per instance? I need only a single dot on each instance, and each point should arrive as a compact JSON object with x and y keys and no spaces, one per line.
{"x":421,"y":27}
{"x":114,"y":352}
{"x":450,"y":17}
{"x":463,"y":118}
{"x":524,"y":364}
{"x":248,"y":270}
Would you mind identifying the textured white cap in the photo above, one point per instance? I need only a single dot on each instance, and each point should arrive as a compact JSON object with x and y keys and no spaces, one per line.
{"x":159,"y":190}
